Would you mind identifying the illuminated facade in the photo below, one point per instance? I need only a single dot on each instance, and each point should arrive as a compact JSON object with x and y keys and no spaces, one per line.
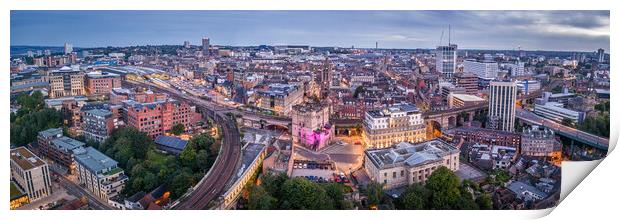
{"x":30,"y":173}
{"x":406,"y":163}
{"x":155,"y":114}
{"x":310,"y":125}
{"x":394,"y":124}
{"x":66,"y":81}
{"x":279,"y":98}
{"x":102,"y":83}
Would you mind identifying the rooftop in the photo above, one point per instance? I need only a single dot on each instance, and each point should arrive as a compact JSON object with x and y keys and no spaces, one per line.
{"x":67,"y":144}
{"x":405,"y":153}
{"x":398,"y":108}
{"x":94,"y":160}
{"x":52,"y":132}
{"x":25,"y":159}
{"x":467,"y":98}
{"x":172,"y":142}
{"x":98,"y":112}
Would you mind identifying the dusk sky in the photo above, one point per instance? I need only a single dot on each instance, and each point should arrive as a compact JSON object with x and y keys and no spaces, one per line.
{"x":532,"y":30}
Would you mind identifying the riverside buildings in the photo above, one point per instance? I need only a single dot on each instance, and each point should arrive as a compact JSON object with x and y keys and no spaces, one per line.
{"x":393,"y":124}
{"x":407,"y":163}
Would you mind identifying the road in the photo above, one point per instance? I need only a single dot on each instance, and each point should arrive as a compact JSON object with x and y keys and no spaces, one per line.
{"x":531,"y":117}
{"x":77,"y":191}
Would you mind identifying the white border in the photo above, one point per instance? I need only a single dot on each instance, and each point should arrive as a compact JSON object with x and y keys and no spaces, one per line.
{"x":595,"y":197}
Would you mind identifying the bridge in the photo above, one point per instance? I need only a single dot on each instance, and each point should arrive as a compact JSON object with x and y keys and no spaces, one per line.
{"x":571,"y":133}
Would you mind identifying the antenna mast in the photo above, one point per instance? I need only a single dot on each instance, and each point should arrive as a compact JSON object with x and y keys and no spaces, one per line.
{"x":449,"y":42}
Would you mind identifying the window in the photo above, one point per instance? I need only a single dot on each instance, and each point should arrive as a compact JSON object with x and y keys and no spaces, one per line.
{"x":402,"y":173}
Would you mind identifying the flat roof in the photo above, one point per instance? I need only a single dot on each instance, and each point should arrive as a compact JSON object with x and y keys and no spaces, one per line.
{"x":50,"y":132}
{"x":398,"y":108}
{"x":67,"y":143}
{"x":406,"y":153}
{"x":94,"y":160}
{"x":467,"y":98}
{"x":98,"y":112}
{"x":172,"y":142}
{"x":25,"y":159}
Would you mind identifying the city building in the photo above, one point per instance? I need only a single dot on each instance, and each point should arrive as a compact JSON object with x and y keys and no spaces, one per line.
{"x":102,"y":83}
{"x":279,"y":98}
{"x":156,"y":116}
{"x":600,"y":55}
{"x":445,"y":60}
{"x":58,"y":148}
{"x":68,"y":48}
{"x":387,"y":126}
{"x":118,"y":95}
{"x":539,"y":143}
{"x":555,"y":111}
{"x":170,"y":144}
{"x":310,"y":125}
{"x":483,"y":69}
{"x":30,"y":173}
{"x":99,"y":173}
{"x":456,"y":100}
{"x":491,"y":157}
{"x":468,"y":81}
{"x":502,"y":103}
{"x":528,"y":86}
{"x":406,"y":163}
{"x":97,"y":125}
{"x":487,"y":136}
{"x":66,"y":81}
{"x":205,"y":46}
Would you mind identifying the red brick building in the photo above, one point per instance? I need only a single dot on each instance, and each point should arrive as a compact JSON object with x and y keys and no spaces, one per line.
{"x":102,"y":83}
{"x":157,"y":117}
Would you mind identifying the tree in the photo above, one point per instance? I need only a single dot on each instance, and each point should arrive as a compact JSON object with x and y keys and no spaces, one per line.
{"x":178,"y":129}
{"x":567,"y":122}
{"x":27,"y":123}
{"x":188,"y":157}
{"x":259,"y":198}
{"x":336,"y":193}
{"x":484,"y":201}
{"x":444,"y":187}
{"x":300,"y":193}
{"x":181,"y":182}
{"x":374,"y":194}
{"x":357,"y":92}
{"x":414,"y":197}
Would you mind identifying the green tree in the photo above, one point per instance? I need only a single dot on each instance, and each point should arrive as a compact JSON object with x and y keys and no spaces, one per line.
{"x":374,"y":194}
{"x":178,"y":129}
{"x":484,"y":201}
{"x":188,"y":157}
{"x":357,"y":92}
{"x":300,"y":193}
{"x":414,"y":197}
{"x":181,"y":182}
{"x":444,"y":187}
{"x":259,"y":198}
{"x":336,"y":192}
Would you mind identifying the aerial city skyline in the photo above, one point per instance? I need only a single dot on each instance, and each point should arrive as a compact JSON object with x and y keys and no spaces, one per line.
{"x":529,"y":30}
{"x":283,"y":124}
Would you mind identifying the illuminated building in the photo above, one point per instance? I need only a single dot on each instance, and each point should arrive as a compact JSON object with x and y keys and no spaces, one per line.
{"x":539,"y":143}
{"x":99,"y":173}
{"x":279,"y":98}
{"x":154,"y":116}
{"x":58,"y":148}
{"x":502,"y":103}
{"x":30,"y":173}
{"x":390,"y":125}
{"x":310,"y":124}
{"x":66,"y":81}
{"x":18,"y":196}
{"x":487,"y":136}
{"x":406,"y":163}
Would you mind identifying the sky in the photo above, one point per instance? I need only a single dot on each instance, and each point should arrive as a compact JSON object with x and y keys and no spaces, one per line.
{"x":530,"y":30}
